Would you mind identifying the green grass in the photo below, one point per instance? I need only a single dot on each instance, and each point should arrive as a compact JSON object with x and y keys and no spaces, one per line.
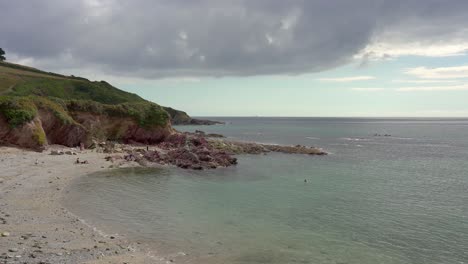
{"x":20,"y":110}
{"x":25,"y":70}
{"x":17,"y":110}
{"x":24,"y":90}
{"x":18,"y":80}
{"x":146,"y":114}
{"x":101,"y":92}
{"x":57,"y":107}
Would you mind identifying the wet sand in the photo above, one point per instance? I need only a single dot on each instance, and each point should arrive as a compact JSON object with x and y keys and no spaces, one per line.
{"x":34,"y":225}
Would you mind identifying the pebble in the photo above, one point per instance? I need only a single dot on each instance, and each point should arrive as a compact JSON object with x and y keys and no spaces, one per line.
{"x":13,"y":250}
{"x":5,"y":234}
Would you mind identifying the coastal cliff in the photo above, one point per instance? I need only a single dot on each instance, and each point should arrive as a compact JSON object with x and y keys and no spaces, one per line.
{"x":35,"y":122}
{"x":38,"y":108}
{"x":182,"y":118}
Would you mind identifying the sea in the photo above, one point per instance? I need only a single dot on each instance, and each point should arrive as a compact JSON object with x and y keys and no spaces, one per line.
{"x":391,"y":190}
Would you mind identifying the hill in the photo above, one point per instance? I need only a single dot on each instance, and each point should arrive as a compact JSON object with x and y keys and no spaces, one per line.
{"x":39,"y":108}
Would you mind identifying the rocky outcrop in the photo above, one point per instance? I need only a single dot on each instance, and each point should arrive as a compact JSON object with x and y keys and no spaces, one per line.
{"x":192,"y":152}
{"x":46,"y":128}
{"x":60,"y":132}
{"x":30,"y":135}
{"x":202,"y":122}
{"x":196,"y":152}
{"x":122,"y":129}
{"x":180,"y":118}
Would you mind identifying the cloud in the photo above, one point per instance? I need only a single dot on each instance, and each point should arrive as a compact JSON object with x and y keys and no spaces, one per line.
{"x":389,"y":50}
{"x":367,"y":89}
{"x":455,"y":72}
{"x":463,"y":87}
{"x":347,"y":79}
{"x":424,"y":81}
{"x":164,"y":38}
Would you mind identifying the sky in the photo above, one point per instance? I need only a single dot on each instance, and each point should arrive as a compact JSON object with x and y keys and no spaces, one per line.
{"x":391,"y":58}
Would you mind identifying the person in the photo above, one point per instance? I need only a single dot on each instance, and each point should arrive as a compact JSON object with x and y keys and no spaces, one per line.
{"x":305,"y":180}
{"x":147,"y":148}
{"x":77,"y":161}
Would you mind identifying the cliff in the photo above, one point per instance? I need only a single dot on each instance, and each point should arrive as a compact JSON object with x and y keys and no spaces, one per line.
{"x":182,"y":118}
{"x":34,"y":122}
{"x":39,"y":108}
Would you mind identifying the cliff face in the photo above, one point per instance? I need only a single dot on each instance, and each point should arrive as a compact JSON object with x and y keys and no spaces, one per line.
{"x":29,"y":135}
{"x":179,"y":118}
{"x":46,"y":128}
{"x":39,"y":108}
{"x":121,"y":129}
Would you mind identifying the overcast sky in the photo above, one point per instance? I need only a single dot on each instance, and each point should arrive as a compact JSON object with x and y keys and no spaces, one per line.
{"x":269,"y":57}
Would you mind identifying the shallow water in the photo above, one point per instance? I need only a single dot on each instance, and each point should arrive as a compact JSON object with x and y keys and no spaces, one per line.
{"x":397,"y":199}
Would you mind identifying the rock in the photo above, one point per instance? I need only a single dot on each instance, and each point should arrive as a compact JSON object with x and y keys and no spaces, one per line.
{"x":215,"y":135}
{"x":199,"y":132}
{"x":13,"y":250}
{"x":56,"y":152}
{"x":5,"y":234}
{"x":196,"y":167}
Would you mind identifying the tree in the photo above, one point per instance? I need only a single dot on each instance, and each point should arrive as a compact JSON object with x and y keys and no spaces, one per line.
{"x":2,"y":58}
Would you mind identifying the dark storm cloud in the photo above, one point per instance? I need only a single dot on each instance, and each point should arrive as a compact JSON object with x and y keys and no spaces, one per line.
{"x":150,"y":38}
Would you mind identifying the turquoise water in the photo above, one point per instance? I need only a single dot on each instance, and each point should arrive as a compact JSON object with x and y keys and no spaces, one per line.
{"x":397,"y":199}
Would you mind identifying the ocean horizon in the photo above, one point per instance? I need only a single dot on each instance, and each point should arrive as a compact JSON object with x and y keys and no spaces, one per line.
{"x":390,"y":191}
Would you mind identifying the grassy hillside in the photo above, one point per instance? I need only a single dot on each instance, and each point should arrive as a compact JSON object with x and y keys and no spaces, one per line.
{"x":17,"y":80}
{"x":72,"y":93}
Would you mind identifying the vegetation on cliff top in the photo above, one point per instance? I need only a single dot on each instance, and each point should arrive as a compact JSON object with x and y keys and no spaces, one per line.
{"x":24,"y":90}
{"x":17,"y":110}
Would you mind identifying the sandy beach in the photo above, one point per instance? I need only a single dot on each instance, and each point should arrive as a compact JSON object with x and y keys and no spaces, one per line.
{"x":34,"y":225}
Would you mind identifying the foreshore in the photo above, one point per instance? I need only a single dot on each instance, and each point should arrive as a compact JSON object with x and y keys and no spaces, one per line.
{"x":34,"y":225}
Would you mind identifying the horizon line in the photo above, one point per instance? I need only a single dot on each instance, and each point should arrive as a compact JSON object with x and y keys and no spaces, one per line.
{"x":267,"y":116}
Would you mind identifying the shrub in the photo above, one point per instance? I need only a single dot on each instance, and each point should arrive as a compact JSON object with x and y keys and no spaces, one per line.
{"x":39,"y":135}
{"x":17,"y":110}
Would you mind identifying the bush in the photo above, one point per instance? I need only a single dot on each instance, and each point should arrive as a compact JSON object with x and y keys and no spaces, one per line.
{"x":2,"y":53}
{"x":20,"y":110}
{"x":146,"y":114}
{"x":17,"y":110}
{"x":39,"y":135}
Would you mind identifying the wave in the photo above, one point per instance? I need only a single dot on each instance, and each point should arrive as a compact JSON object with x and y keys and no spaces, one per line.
{"x":253,"y":133}
{"x":412,"y":144}
{"x":355,"y":139}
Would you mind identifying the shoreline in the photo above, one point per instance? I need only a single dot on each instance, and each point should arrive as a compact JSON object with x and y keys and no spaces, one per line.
{"x":35,"y":227}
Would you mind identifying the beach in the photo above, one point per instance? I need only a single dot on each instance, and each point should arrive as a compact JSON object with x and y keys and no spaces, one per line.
{"x":34,"y":225}
{"x":374,"y":199}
